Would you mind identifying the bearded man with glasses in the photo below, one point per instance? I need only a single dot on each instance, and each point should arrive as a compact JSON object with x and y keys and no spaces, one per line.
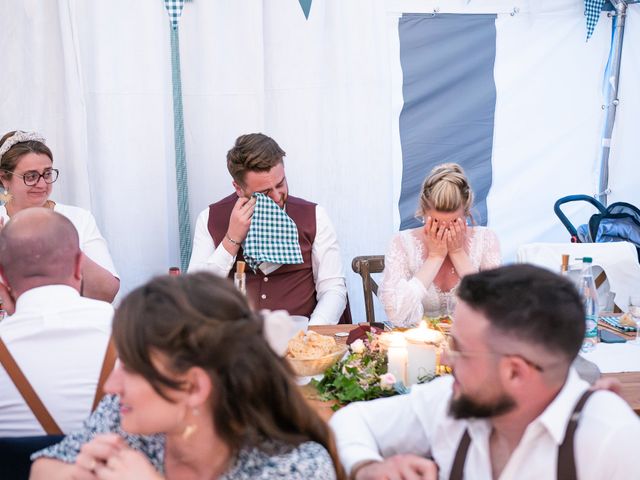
{"x":514,"y":406}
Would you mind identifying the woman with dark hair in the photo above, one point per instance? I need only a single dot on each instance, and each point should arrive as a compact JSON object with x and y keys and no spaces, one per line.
{"x":27,"y":176}
{"x":198,"y":393}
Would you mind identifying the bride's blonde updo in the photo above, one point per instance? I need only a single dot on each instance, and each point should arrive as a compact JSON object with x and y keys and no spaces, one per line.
{"x":446,"y":189}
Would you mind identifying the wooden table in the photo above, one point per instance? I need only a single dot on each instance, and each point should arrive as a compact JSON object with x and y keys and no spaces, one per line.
{"x":630,"y":380}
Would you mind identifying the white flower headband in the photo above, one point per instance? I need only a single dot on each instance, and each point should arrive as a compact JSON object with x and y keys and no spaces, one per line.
{"x":20,"y":137}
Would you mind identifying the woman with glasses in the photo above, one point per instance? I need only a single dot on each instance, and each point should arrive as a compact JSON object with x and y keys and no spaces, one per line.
{"x":198,"y":393}
{"x":423,"y":266}
{"x":27,"y":176}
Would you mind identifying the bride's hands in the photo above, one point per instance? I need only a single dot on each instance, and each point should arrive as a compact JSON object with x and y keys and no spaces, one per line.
{"x":457,"y":236}
{"x":436,"y":238}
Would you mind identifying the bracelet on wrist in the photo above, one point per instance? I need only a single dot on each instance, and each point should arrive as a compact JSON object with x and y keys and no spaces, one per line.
{"x":237,"y":244}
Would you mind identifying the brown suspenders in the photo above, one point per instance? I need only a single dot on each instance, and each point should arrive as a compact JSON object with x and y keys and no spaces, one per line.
{"x":31,"y":397}
{"x":566,"y":457}
{"x":566,"y":467}
{"x":110,"y":356}
{"x":457,"y":470}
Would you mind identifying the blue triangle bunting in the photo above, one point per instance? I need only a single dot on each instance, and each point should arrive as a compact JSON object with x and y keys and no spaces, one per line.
{"x":592,"y":9}
{"x":174,"y":9}
{"x":306,"y":7}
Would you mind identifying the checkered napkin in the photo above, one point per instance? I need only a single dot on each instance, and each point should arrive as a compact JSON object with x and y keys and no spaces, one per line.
{"x":592,"y":9}
{"x":272,"y":237}
{"x":615,"y":323}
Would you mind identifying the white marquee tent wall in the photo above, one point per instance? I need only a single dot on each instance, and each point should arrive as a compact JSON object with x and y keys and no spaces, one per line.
{"x":95,"y":78}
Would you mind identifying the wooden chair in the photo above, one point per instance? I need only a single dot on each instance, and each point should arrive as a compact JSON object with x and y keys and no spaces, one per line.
{"x":365,"y":266}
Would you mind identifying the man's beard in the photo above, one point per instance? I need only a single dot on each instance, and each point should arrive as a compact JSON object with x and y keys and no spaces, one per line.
{"x":466,"y":407}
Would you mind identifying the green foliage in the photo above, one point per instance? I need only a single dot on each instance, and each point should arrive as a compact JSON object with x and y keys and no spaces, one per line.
{"x":355,"y":378}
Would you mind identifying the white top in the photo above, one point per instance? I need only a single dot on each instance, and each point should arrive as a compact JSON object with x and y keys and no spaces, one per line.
{"x":58,"y":339}
{"x":326,"y":263}
{"x":606,"y":441}
{"x":92,"y":244}
{"x":405,"y":298}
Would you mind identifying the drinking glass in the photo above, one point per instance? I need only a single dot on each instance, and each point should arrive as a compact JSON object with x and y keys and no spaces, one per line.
{"x":634,"y":310}
{"x":452,"y":300}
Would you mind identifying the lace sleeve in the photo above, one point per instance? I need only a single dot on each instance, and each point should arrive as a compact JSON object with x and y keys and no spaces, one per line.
{"x":491,"y":257}
{"x":400,"y":293}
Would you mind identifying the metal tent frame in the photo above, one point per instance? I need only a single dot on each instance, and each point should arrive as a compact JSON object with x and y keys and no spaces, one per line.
{"x":612,"y":78}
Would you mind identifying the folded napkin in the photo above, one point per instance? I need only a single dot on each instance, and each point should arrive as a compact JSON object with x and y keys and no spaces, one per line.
{"x":614,"y":321}
{"x":361,"y":332}
{"x":272,"y":237}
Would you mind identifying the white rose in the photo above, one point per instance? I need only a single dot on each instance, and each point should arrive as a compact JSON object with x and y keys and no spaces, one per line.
{"x":358,"y":346}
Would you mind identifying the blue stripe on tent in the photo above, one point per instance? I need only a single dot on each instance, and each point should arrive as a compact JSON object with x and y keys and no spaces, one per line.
{"x":449,"y":103}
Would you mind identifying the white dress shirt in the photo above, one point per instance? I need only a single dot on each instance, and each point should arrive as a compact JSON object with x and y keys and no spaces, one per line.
{"x":92,"y":243}
{"x":606,"y":441}
{"x":58,"y":339}
{"x":326,"y":263}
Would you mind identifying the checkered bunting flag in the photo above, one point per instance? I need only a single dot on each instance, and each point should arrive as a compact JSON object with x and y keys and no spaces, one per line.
{"x":592,"y":9}
{"x":272,"y":237}
{"x":174,"y":9}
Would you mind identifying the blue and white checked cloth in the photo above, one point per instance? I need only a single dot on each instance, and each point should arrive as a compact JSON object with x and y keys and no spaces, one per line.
{"x":272,"y":237}
{"x":174,"y":9}
{"x":592,"y":9}
{"x":614,"y":321}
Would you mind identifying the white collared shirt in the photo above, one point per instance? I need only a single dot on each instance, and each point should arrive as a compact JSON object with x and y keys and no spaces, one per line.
{"x":58,"y":339}
{"x":326,"y":263}
{"x":606,"y":442}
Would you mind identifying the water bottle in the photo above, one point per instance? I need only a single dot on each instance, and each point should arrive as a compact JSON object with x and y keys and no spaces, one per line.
{"x":589,"y":294}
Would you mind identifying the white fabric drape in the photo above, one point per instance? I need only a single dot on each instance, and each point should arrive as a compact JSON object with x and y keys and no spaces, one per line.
{"x":95,"y":78}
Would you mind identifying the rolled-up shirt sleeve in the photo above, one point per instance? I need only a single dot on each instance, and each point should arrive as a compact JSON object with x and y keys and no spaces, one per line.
{"x":382,"y":428}
{"x":205,"y":256}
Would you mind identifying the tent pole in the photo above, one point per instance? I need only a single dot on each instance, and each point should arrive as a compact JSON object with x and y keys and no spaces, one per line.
{"x":612,"y":77}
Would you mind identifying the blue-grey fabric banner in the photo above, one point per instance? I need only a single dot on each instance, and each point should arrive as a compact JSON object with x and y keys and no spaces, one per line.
{"x":449,"y":103}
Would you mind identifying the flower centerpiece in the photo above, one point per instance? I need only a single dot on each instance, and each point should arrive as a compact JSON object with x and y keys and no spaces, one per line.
{"x":382,"y":365}
{"x":361,"y":375}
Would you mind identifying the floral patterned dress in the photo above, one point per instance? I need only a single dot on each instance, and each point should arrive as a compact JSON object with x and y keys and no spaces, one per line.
{"x":405,"y":298}
{"x":307,"y":460}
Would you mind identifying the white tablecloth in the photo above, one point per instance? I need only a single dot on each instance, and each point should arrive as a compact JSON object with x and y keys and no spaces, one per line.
{"x":615,"y":357}
{"x":619,"y":260}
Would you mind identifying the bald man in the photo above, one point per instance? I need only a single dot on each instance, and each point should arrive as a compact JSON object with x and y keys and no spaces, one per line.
{"x":57,"y":338}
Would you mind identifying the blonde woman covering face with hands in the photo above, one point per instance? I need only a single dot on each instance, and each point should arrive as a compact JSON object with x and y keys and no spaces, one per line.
{"x":423,"y":266}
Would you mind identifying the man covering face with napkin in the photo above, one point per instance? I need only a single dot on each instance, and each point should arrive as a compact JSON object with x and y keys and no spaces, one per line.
{"x":288,"y":243}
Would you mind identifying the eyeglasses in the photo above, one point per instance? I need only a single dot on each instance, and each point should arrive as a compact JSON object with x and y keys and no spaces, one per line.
{"x":31,"y":178}
{"x":455,"y":354}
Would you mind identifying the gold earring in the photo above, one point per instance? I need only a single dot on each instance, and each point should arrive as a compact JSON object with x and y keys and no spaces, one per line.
{"x":5,"y":196}
{"x":191,"y":428}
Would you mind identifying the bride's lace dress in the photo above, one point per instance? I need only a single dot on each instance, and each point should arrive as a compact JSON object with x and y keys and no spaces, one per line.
{"x":404,"y":297}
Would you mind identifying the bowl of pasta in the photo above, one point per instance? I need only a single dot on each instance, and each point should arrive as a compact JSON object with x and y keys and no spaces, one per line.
{"x":310,"y":353}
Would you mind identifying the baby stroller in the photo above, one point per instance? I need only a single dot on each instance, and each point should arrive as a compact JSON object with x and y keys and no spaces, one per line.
{"x":619,"y":222}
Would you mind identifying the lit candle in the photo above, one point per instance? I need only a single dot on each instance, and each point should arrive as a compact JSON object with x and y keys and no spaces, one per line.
{"x":397,"y":357}
{"x":421,"y":352}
